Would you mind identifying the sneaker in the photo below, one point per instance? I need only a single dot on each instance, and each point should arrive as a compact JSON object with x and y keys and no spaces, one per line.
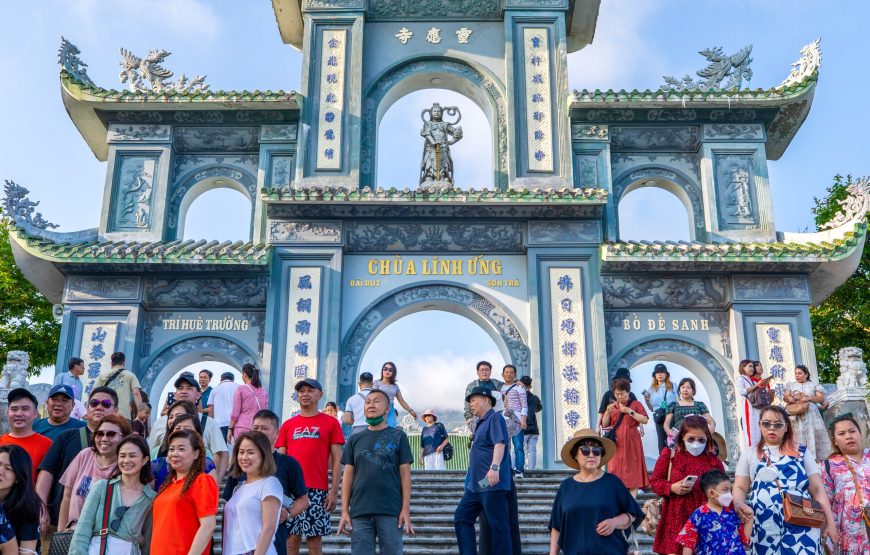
{"x":518,"y":475}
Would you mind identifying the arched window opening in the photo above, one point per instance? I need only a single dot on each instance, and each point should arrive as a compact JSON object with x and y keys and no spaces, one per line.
{"x":651,"y":213}
{"x":400,"y":145}
{"x":221,"y":214}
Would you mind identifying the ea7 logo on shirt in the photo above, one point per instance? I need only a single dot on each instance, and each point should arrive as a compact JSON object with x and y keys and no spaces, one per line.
{"x":312,"y":432}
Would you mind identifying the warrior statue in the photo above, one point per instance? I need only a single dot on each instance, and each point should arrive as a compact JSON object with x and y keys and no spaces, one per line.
{"x":437,"y":164}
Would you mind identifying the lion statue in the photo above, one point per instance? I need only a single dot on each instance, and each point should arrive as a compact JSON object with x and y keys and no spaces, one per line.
{"x":15,"y":370}
{"x":853,"y":370}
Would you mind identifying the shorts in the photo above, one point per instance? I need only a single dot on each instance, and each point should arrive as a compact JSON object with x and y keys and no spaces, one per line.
{"x":314,"y":521}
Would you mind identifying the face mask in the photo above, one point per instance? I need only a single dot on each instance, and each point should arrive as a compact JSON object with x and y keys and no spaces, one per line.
{"x":695,"y":448}
{"x":374,"y":421}
{"x":725,"y":499}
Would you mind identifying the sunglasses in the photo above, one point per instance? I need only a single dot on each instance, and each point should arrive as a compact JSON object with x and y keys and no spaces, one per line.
{"x":587,"y":450}
{"x":119,"y":515}
{"x":107,"y":403}
{"x":109,"y":434}
{"x":772,"y":425}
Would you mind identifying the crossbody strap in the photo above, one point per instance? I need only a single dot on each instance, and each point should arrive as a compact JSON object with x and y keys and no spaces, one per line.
{"x":857,"y":483}
{"x":107,"y":512}
{"x":254,"y":393}
{"x":113,"y":376}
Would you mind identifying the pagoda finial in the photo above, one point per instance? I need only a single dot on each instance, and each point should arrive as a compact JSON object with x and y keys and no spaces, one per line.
{"x":735,"y":68}
{"x":808,"y":64}
{"x":68,"y":58}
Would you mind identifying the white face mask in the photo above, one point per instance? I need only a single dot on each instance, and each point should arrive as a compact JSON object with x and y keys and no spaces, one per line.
{"x":725,"y":499}
{"x":695,"y":448}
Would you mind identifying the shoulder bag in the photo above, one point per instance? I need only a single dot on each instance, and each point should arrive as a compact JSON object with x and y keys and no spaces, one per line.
{"x":796,"y":509}
{"x":611,"y":433}
{"x":865,"y":510}
{"x":447,"y":452}
{"x":760,"y":398}
{"x":103,"y":543}
{"x":514,"y":425}
{"x":653,"y":507}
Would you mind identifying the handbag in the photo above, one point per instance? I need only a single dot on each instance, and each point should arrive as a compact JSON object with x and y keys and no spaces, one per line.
{"x":760,"y":398}
{"x":659,"y":415}
{"x":797,"y":409}
{"x":652,"y":508}
{"x":611,"y":433}
{"x":865,"y":510}
{"x":61,"y":542}
{"x":447,"y":452}
{"x":799,"y":510}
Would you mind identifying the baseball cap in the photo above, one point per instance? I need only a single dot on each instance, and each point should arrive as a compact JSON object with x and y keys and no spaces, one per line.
{"x":310,"y":382}
{"x":62,"y":389}
{"x":19,"y":393}
{"x":189,"y":378}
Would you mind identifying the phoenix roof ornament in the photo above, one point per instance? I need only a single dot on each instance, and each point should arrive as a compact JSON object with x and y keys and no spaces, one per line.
{"x":148,"y":75}
{"x":809,"y":63}
{"x":735,"y":68}
{"x":854,"y":207}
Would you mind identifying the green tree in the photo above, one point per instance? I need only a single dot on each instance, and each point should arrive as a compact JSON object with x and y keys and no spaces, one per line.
{"x":843,"y":319}
{"x":26,"y":320}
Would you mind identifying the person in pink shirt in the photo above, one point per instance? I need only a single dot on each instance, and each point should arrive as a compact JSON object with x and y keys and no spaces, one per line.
{"x":248,"y":400}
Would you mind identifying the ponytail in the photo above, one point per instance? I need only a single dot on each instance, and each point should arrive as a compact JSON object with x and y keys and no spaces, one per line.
{"x":253,"y":373}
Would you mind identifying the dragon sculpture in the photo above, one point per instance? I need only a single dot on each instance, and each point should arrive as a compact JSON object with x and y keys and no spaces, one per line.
{"x":139,"y":72}
{"x":21,"y":209}
{"x":68,"y":58}
{"x":733,"y":70}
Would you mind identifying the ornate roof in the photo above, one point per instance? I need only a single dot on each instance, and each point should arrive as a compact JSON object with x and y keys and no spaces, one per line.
{"x":85,"y":101}
{"x":782,"y":108}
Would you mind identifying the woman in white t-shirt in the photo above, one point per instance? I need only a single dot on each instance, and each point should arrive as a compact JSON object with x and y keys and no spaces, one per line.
{"x":255,"y":500}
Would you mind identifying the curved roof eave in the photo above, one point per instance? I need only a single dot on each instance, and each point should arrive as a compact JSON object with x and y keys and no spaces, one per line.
{"x":82,"y":102}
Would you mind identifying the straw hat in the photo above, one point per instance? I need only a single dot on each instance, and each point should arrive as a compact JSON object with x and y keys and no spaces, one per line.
{"x":609,"y":447}
{"x":721,"y":445}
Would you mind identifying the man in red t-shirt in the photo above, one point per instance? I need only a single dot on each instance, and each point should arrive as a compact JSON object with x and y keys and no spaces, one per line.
{"x":20,"y":414}
{"x":311,"y":438}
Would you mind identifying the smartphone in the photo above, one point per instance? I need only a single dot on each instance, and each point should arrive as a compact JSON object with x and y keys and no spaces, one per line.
{"x":690,"y":480}
{"x":484,"y":483}
{"x":170,"y":398}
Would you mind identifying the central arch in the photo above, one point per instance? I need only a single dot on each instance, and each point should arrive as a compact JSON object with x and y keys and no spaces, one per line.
{"x":420,"y":73}
{"x":704,"y":365}
{"x":489,"y":315}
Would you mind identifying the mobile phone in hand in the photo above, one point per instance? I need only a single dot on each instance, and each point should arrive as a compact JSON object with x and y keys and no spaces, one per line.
{"x":690,"y":480}
{"x":170,"y":398}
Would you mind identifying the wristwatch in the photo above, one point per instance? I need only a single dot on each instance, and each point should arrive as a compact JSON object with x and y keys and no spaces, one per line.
{"x":494,"y":467}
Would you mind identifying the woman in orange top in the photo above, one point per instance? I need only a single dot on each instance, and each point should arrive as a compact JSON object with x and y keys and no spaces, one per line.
{"x":185,"y":511}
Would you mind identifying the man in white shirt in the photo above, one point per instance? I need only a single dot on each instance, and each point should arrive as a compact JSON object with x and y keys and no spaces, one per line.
{"x":354,"y":414}
{"x":220,"y":402}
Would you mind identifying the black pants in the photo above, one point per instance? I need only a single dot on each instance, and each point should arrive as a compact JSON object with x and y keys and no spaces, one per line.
{"x":663,"y":437}
{"x":514,"y":515}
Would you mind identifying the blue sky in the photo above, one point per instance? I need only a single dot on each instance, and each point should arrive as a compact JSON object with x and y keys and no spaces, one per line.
{"x":237,"y":45}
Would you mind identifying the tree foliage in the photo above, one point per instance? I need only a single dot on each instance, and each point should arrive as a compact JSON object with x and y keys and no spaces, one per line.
{"x":843,"y":319}
{"x":26,"y":320}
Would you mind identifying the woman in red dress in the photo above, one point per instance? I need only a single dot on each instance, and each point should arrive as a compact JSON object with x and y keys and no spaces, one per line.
{"x":628,"y":463}
{"x":692,"y":456}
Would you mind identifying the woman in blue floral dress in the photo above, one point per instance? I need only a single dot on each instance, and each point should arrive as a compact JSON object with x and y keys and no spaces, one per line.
{"x":777,"y":462}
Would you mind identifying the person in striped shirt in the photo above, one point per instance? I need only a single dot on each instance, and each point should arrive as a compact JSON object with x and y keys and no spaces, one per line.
{"x":516,"y":404}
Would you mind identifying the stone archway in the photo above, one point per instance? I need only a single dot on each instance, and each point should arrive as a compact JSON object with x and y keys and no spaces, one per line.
{"x":457,"y":75}
{"x":686,"y":189}
{"x":489,"y":315}
{"x":707,"y":368}
{"x":200,"y":180}
{"x":187,"y":351}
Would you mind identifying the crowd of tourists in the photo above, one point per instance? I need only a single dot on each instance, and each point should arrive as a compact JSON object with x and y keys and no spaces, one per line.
{"x":110,"y":482}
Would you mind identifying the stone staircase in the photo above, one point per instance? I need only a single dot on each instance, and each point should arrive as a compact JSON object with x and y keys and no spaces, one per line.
{"x":434,"y":496}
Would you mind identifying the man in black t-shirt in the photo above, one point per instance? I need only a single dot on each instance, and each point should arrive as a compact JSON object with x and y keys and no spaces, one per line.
{"x":607,"y":399}
{"x":289,"y":473}
{"x":376,"y":485}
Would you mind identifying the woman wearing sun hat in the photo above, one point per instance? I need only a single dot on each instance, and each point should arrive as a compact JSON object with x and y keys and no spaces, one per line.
{"x":593,"y":507}
{"x":433,"y":439}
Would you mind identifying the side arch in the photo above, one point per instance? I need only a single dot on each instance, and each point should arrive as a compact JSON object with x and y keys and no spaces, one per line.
{"x":418,"y":73}
{"x":200,"y":180}
{"x":189,"y":350}
{"x":669,"y":179}
{"x":705,"y":365}
{"x":488,"y":314}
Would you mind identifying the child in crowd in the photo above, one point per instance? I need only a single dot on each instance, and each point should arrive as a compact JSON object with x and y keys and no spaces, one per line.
{"x":714,"y":528}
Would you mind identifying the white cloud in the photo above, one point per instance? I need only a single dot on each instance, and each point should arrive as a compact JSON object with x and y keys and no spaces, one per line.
{"x":622,"y":53}
{"x":193,"y":19}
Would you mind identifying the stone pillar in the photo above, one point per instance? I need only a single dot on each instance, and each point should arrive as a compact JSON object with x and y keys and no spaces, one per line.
{"x":852,"y":391}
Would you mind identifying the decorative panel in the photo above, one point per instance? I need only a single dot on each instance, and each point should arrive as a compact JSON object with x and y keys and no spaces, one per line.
{"x":539,"y":121}
{"x":332,"y":75}
{"x":90,"y":289}
{"x":134,"y":191}
{"x":303,"y":325}
{"x":98,"y":344}
{"x":776,"y":353}
{"x":571,"y":394}
{"x":586,"y":170}
{"x":735,"y":191}
{"x":771,"y":288}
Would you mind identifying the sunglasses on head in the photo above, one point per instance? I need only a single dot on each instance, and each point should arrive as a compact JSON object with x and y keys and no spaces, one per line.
{"x":107,"y":403}
{"x":772,"y":425}
{"x":595,"y":451}
{"x":108,"y":434}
